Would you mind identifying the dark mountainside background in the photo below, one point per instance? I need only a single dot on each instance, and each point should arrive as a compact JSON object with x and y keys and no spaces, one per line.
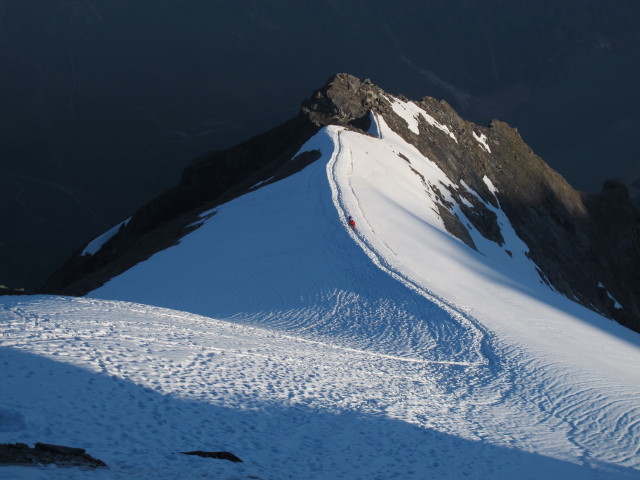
{"x":104,"y":102}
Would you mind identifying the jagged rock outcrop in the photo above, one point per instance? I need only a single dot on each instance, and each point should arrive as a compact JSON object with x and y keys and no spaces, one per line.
{"x":20,"y":454}
{"x":219,"y":455}
{"x":586,"y":246}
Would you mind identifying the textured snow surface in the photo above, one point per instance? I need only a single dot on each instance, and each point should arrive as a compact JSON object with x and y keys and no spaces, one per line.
{"x":391,"y":351}
{"x":135,"y":384}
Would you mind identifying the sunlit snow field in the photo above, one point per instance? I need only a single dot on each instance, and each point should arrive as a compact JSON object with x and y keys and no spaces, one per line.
{"x":315,"y":352}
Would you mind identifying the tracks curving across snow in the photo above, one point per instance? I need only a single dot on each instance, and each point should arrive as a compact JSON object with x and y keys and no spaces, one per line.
{"x":109,"y":376}
{"x":472,"y":340}
{"x":512,"y":371}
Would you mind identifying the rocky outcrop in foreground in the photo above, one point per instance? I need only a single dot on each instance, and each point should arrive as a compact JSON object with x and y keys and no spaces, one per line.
{"x":219,"y":455}
{"x":20,"y":454}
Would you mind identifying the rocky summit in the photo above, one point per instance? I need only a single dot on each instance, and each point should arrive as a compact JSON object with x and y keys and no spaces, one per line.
{"x":587,"y":247}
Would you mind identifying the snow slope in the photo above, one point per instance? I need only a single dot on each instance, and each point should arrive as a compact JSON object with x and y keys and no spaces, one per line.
{"x":391,"y":351}
{"x":135,"y":384}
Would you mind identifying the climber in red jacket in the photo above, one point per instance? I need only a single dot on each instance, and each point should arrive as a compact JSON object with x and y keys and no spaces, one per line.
{"x":352,"y":223}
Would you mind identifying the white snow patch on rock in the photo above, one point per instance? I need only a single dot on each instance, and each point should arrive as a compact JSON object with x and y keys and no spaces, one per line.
{"x":261,"y":183}
{"x":492,"y":188}
{"x":374,"y":129}
{"x":616,"y":304}
{"x":482,"y":140}
{"x":95,"y":245}
{"x":410,"y":112}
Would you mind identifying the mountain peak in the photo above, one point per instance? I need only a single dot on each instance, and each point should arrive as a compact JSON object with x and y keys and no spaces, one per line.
{"x":343,"y":100}
{"x":490,"y":177}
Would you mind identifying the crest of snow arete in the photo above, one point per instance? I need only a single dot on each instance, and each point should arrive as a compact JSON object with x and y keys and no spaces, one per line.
{"x":585,"y":246}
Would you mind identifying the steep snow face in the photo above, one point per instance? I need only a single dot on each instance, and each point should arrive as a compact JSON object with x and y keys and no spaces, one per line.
{"x":394,"y":342}
{"x":389,"y":185}
{"x":411,"y":113}
{"x":497,"y":286}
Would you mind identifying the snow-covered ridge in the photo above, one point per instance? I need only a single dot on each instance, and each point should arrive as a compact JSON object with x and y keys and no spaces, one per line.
{"x":402,"y":287}
{"x":543,"y":208}
{"x":312,"y":350}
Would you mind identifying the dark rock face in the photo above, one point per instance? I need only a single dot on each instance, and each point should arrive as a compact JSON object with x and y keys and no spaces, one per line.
{"x":617,"y":241}
{"x":44,"y":453}
{"x":586,"y":246}
{"x":219,"y":455}
{"x":345,"y":100}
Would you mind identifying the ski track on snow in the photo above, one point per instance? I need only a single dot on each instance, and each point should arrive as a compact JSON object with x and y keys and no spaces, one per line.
{"x":468,"y":329}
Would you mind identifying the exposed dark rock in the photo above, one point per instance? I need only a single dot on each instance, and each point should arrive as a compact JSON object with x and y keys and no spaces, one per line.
{"x":483,"y":219}
{"x":454,"y":226}
{"x":344,"y":100}
{"x":44,"y":453}
{"x":618,"y":244}
{"x":221,"y":455}
{"x":578,"y":241}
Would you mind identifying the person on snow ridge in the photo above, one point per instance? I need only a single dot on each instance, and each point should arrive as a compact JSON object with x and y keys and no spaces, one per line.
{"x":352,"y":223}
